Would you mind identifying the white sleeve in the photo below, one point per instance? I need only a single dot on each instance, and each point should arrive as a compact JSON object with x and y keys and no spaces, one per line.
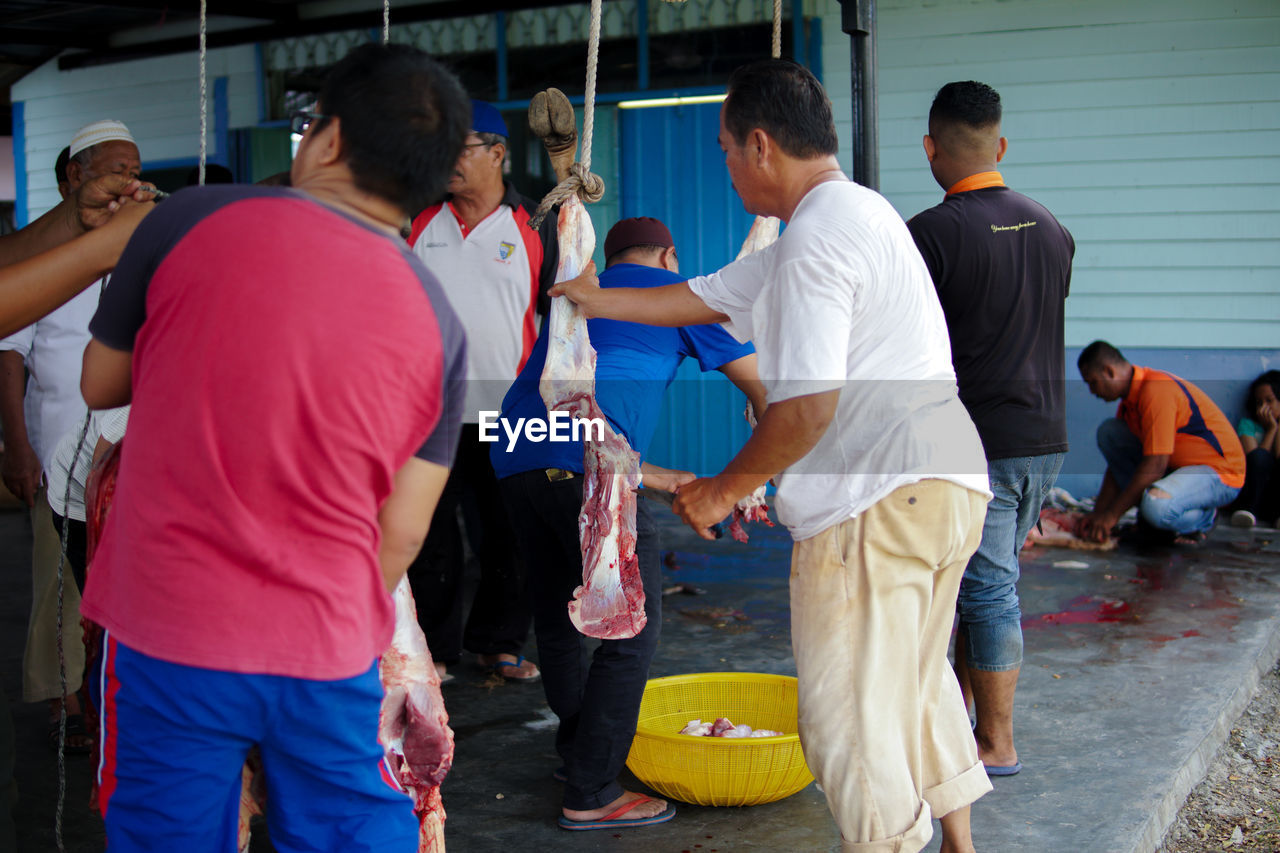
{"x":811,"y":311}
{"x":112,"y":423}
{"x":21,"y":341}
{"x":733,"y":290}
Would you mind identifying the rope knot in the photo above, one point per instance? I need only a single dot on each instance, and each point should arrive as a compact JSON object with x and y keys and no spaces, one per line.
{"x":581,"y":182}
{"x":591,"y":185}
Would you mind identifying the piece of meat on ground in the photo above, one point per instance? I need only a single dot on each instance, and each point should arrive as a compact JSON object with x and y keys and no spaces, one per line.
{"x":1058,"y":529}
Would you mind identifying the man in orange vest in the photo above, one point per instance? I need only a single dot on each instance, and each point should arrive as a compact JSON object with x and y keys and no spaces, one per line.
{"x":1170,"y":450}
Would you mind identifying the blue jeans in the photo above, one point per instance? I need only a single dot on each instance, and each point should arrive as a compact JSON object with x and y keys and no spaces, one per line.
{"x":990,"y":618}
{"x":1194,"y":492}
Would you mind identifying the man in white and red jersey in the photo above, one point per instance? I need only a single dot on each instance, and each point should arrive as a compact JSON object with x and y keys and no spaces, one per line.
{"x":495,"y":270}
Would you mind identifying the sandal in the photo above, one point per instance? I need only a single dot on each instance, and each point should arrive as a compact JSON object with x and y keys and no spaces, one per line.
{"x":86,"y":744}
{"x":618,"y":817}
{"x":514,"y":670}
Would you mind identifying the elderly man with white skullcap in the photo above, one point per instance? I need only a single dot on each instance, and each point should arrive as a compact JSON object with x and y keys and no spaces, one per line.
{"x":34,"y":415}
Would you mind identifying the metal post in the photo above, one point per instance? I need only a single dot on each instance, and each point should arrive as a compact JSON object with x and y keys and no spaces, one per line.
{"x":858,"y":19}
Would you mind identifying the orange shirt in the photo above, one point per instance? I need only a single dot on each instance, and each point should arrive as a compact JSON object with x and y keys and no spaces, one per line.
{"x":1176,"y":419}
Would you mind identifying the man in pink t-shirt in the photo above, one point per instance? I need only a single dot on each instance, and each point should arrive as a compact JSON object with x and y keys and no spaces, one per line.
{"x":289,"y":362}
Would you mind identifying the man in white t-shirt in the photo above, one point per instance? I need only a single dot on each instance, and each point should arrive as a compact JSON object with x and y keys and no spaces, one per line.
{"x":880,"y":472}
{"x":35,"y":413}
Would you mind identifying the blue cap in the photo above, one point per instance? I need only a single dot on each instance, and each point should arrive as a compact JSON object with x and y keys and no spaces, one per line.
{"x":485,"y":118}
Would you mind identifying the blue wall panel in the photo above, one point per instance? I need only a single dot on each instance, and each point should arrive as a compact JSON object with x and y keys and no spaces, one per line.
{"x":21,"y":210}
{"x":672,"y":168}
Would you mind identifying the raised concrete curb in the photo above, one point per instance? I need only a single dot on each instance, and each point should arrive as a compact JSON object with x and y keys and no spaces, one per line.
{"x":1195,"y":768}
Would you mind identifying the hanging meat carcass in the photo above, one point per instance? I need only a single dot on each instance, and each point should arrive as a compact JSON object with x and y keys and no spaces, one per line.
{"x":413,"y":727}
{"x":610,"y":602}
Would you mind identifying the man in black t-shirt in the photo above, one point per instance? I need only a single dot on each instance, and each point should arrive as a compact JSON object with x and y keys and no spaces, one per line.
{"x":1001,"y":264}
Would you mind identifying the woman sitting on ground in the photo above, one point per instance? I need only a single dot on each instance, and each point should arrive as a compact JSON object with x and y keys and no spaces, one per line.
{"x":1260,"y":435}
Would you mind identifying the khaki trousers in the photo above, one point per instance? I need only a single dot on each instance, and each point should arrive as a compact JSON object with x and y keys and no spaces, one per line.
{"x":40,"y":680}
{"x":882,"y":721}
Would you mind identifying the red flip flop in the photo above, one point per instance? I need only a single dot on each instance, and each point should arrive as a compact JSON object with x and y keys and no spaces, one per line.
{"x":615,"y":819}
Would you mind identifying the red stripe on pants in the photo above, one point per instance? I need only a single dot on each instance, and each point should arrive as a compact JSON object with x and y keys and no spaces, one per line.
{"x":108,"y":731}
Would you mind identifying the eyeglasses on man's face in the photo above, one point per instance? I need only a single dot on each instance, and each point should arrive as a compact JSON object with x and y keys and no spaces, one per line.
{"x":303,"y":119}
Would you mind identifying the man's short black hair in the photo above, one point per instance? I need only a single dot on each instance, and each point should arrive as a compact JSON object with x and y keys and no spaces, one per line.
{"x":404,"y":118}
{"x":786,"y":101}
{"x":966,"y":102}
{"x":60,"y":166}
{"x":1099,"y":354}
{"x":638,"y":249}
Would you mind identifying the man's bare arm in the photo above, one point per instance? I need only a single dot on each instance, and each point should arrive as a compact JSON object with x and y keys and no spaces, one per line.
{"x":669,"y":305}
{"x":31,"y":288}
{"x":744,"y":373}
{"x":786,"y":432}
{"x":406,"y":516}
{"x":88,"y":207}
{"x":21,"y":471}
{"x":664,"y":479}
{"x":1149,"y":470}
{"x":1097,"y":525}
{"x":106,"y":377}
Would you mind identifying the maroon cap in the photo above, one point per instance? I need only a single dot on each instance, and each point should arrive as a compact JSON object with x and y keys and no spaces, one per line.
{"x":640,"y":231}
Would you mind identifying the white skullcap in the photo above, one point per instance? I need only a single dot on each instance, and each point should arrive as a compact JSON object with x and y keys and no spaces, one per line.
{"x":107,"y":130}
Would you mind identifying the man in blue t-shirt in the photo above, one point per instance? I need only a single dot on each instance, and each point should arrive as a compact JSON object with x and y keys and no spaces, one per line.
{"x":541,"y":481}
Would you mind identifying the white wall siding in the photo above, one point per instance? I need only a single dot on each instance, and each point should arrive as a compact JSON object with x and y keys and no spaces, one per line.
{"x":157,"y":98}
{"x":1151,"y":129}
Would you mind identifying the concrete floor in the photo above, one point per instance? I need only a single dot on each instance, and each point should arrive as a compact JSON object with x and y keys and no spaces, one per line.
{"x":1136,"y":665}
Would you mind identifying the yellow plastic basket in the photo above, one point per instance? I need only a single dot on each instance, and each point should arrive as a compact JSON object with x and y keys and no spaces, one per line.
{"x":713,"y":771}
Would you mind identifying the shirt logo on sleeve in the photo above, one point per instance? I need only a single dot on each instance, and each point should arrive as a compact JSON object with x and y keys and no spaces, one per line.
{"x":504,"y":250}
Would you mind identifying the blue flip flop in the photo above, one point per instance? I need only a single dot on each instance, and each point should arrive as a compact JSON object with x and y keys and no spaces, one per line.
{"x":616,"y":819}
{"x":504,"y":667}
{"x":1005,"y":770}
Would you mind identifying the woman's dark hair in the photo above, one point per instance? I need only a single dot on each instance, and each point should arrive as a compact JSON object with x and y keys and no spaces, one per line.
{"x":1272,"y":378}
{"x":404,"y":118}
{"x":786,"y":101}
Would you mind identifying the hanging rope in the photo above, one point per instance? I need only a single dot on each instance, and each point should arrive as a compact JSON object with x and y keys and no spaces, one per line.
{"x":589,"y":99}
{"x":777,"y":29}
{"x":581,"y":182}
{"x":386,"y":21}
{"x":62,"y":660}
{"x":204,"y":92}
